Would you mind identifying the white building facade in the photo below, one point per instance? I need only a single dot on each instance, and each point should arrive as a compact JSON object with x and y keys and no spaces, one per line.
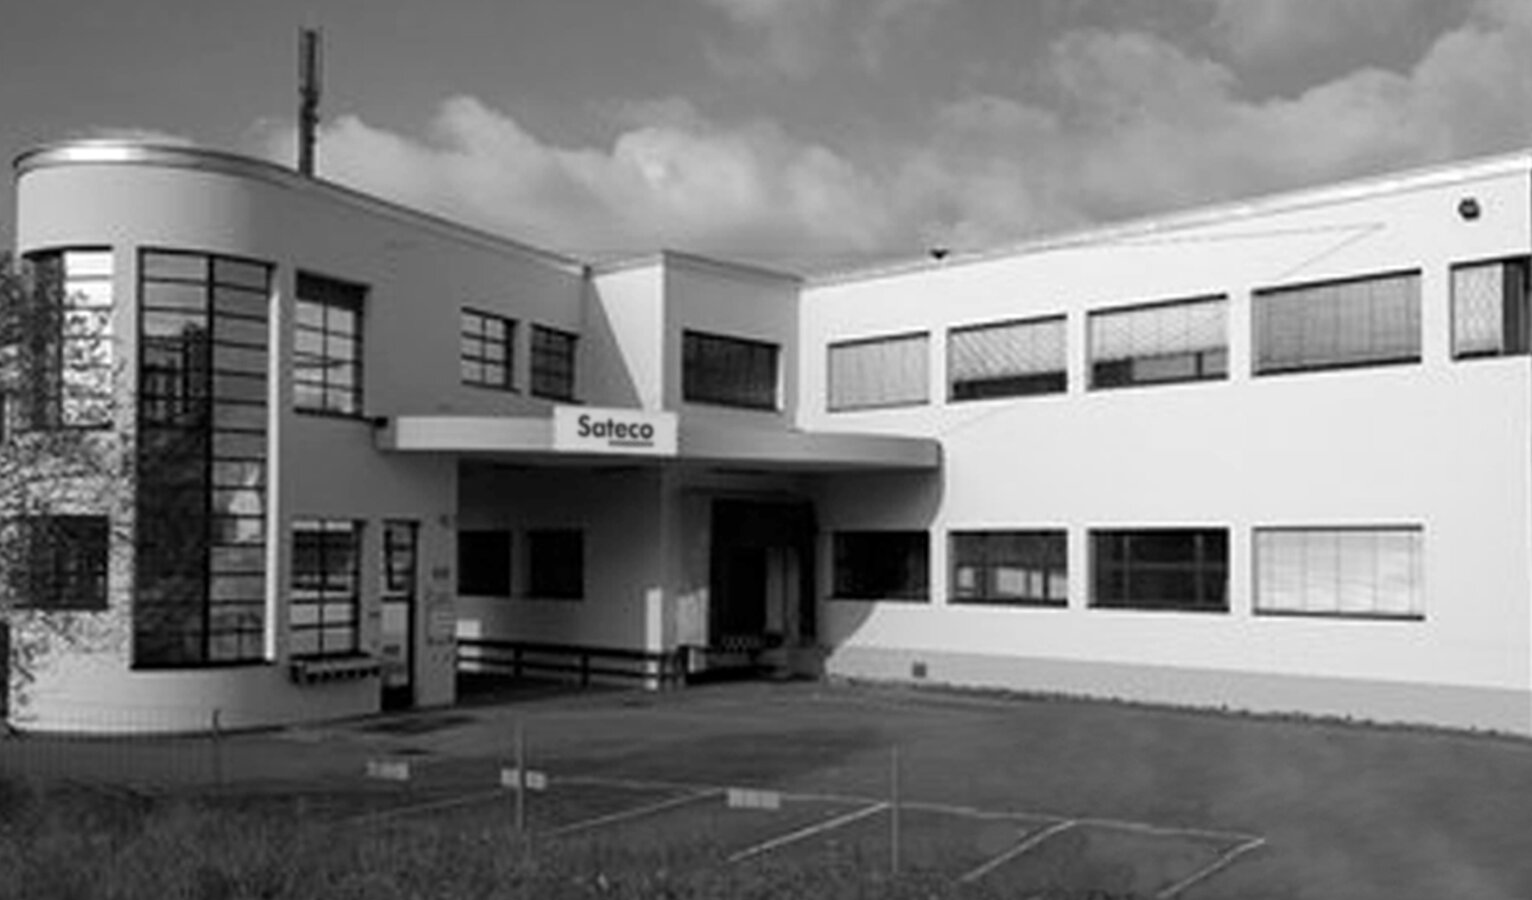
{"x":1273,"y":456}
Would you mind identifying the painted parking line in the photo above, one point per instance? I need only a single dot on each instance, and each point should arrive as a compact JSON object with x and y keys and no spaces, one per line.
{"x":1213,"y":868}
{"x":1027,"y":844}
{"x":636,"y":812}
{"x":805,"y":833}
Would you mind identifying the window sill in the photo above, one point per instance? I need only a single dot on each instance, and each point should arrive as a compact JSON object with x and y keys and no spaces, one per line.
{"x":497,"y":388}
{"x":332,"y":414}
{"x":1008,"y":602}
{"x":1349,"y":616}
{"x":843,"y":598}
{"x":319,"y":670}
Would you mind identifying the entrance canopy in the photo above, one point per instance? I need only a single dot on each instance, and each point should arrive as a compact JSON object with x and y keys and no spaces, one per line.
{"x":578,"y":435}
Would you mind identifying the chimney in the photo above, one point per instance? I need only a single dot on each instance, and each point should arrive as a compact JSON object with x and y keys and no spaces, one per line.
{"x":308,"y":91}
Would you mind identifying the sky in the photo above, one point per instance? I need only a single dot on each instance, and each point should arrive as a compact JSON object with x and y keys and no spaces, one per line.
{"x":810,"y":135}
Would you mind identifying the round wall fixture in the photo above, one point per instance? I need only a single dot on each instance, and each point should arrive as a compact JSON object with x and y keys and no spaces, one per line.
{"x":1468,"y":208}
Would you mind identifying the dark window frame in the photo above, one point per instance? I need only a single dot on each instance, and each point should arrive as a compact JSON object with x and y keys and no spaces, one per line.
{"x":704,"y":354}
{"x":353,"y":395}
{"x":556,"y":564}
{"x":1029,"y":384}
{"x":1275,"y":292}
{"x":1209,"y":574}
{"x":892,"y":337}
{"x":555,"y":358}
{"x":1521,"y":331}
{"x":474,"y":576}
{"x":1119,"y":374}
{"x":325,"y":589}
{"x":884,"y":578}
{"x":63,"y":562}
{"x":474,"y":349}
{"x":224,"y":577}
{"x":991,"y":555}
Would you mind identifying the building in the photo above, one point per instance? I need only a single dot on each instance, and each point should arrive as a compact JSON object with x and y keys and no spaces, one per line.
{"x":1274,"y":455}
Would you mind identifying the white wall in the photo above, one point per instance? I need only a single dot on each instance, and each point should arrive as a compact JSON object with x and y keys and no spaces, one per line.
{"x":1440,"y":444}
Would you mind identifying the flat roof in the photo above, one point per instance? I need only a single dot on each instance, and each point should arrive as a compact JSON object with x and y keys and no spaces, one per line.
{"x":530,"y":440}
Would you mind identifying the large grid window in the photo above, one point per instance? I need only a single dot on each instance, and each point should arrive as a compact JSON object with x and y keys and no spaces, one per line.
{"x":200,"y":533}
{"x":327,"y":351}
{"x":485,"y":345}
{"x":877,"y":372}
{"x":484,"y":563}
{"x":881,"y":565}
{"x":326,"y":589}
{"x":57,"y":562}
{"x":66,"y":346}
{"x":1490,"y":315}
{"x":1022,"y":568}
{"x":553,"y":363}
{"x":1007,"y":359}
{"x":728,"y":371}
{"x":1363,"y":572}
{"x":1161,"y":569}
{"x":1362,"y":322}
{"x":556,"y":563}
{"x":1186,"y":340}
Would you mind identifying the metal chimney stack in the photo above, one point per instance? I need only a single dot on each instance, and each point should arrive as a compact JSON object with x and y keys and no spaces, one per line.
{"x":309,"y":65}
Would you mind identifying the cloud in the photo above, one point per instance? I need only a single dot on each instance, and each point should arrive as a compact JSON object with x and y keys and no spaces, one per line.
{"x":1106,"y":124}
{"x":1262,"y":30}
{"x":783,"y":37}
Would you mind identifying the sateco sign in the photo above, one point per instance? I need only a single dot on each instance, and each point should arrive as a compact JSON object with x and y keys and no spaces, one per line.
{"x":584,"y":429}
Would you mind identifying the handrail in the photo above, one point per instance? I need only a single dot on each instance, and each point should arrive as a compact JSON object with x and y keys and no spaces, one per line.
{"x":670,"y":665}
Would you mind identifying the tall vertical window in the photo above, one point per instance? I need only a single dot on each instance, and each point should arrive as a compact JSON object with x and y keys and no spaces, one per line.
{"x":200,"y":532}
{"x":882,"y":565}
{"x":1361,"y":322}
{"x":1364,"y":572}
{"x":1161,"y":569}
{"x":556,"y":563}
{"x":1186,"y":340}
{"x":1490,"y":315}
{"x":1006,"y":359}
{"x":66,"y":348}
{"x":1023,"y":568}
{"x":326,"y":590}
{"x":553,"y":363}
{"x":728,"y":371}
{"x":327,"y":352}
{"x":57,"y":562}
{"x":485,"y":345}
{"x":876,"y":372}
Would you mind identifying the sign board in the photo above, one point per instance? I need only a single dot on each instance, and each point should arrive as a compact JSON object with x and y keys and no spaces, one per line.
{"x":388,"y":770}
{"x":629,"y":432}
{"x":745,"y":798}
{"x":536,"y":781}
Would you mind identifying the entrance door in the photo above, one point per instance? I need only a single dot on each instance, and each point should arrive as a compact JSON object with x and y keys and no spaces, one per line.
{"x":762,"y":554}
{"x":398,"y":631}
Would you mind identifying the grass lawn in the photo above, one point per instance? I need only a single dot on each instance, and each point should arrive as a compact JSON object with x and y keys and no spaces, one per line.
{"x":1345,"y":811}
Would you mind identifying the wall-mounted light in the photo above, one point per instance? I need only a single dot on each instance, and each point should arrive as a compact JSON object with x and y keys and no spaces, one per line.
{"x":1468,"y":209}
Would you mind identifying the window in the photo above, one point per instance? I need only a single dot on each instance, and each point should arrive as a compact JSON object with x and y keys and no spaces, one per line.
{"x":1186,"y":340}
{"x":728,"y":371}
{"x":327,"y":352}
{"x":485,"y":350}
{"x":484,"y":563}
{"x":553,"y":363}
{"x":881,"y":565}
{"x":200,"y":538}
{"x":1024,"y":568}
{"x":58,"y":562}
{"x":1362,"y":322}
{"x":1490,"y":315}
{"x":66,"y":341}
{"x":556,"y":564}
{"x":875,"y":372}
{"x":1165,"y":568}
{"x":1364,"y":572}
{"x":1006,"y":359}
{"x":326,"y":590}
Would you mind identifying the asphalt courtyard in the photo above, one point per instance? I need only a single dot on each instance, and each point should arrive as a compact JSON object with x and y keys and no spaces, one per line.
{"x":1014,"y":793}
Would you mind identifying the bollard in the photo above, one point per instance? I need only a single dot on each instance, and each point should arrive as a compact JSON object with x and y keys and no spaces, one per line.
{"x":218,"y":747}
{"x":893,"y":811}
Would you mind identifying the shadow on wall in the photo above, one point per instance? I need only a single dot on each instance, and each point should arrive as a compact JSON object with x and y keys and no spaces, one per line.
{"x":850,"y":505}
{"x":605,"y":376}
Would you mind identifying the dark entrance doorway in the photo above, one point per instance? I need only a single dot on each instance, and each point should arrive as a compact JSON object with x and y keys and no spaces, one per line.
{"x":400,"y":550}
{"x":761,"y":579}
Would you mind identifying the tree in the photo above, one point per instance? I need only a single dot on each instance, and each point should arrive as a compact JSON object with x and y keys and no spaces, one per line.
{"x":65,"y":466}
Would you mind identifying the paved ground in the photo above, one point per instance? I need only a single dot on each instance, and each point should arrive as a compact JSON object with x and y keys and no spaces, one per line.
{"x":1320,"y":809}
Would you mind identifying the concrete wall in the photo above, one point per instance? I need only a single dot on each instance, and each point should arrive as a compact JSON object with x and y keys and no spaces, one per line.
{"x":1442,"y":444}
